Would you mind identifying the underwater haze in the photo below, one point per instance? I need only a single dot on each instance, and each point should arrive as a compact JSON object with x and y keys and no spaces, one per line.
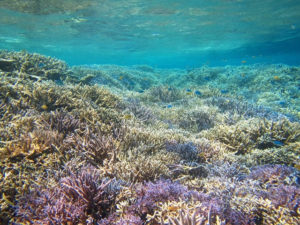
{"x":158,"y":33}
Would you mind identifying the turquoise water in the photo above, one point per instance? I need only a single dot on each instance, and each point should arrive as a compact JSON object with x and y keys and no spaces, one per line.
{"x":159,"y":33}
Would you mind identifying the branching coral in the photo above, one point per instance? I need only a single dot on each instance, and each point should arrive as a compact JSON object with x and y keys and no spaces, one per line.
{"x":95,"y":146}
{"x":187,"y":151}
{"x":254,"y":133}
{"x":275,"y":175}
{"x":139,"y":137}
{"x":197,"y":120}
{"x":141,"y":112}
{"x":192,"y":215}
{"x":146,"y":197}
{"x":263,"y":210}
{"x":199,"y":210}
{"x":61,"y":121}
{"x":138,"y":167}
{"x":100,"y":96}
{"x":193,"y":136}
{"x":38,"y":65}
{"x":32,"y":144}
{"x":243,"y":108}
{"x":85,"y":189}
{"x":179,"y":213}
{"x":163,"y":94}
{"x":287,"y":155}
{"x":80,"y":198}
{"x":94,"y":76}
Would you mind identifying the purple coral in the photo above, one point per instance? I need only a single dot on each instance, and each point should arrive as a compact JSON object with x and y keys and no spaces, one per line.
{"x":150,"y":193}
{"x":95,"y":146}
{"x":48,"y":207}
{"x":187,"y":151}
{"x":130,"y":220}
{"x":88,"y":189}
{"x":61,"y":121}
{"x":80,"y":198}
{"x":285,"y":196}
{"x":281,"y":186}
{"x":141,"y":112}
{"x":275,"y":174}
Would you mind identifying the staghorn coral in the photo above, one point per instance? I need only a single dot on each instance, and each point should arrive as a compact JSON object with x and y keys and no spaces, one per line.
{"x":136,"y":166}
{"x":268,"y":194}
{"x":163,"y":94}
{"x":121,"y":77}
{"x":15,"y":125}
{"x":243,"y":108}
{"x":144,"y":138}
{"x":130,"y":220}
{"x":94,"y":146}
{"x":36,"y":66}
{"x":284,"y":196}
{"x":287,"y":155}
{"x":178,"y":213}
{"x":48,"y":97}
{"x":80,"y":198}
{"x":189,"y":114}
{"x":146,"y":196}
{"x":200,"y":209}
{"x":275,"y":175}
{"x":189,"y":214}
{"x":47,"y":125}
{"x":42,"y":96}
{"x":94,"y":76}
{"x":19,"y":175}
{"x":255,"y":133}
{"x":86,"y":79}
{"x":7,"y":65}
{"x":257,"y":201}
{"x":209,"y":151}
{"x":264,"y":210}
{"x":61,"y":121}
{"x":197,"y":120}
{"x":193,"y":120}
{"x":99,"y":96}
{"x":141,"y":112}
{"x":32,"y":144}
{"x":187,"y":151}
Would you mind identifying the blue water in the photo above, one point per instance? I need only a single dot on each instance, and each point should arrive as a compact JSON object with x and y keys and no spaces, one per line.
{"x":159,"y":33}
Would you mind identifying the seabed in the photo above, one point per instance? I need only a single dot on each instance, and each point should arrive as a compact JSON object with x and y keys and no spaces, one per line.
{"x":108,"y":144}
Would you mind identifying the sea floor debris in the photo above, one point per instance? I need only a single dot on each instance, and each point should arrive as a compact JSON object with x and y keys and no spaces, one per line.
{"x":100,"y":145}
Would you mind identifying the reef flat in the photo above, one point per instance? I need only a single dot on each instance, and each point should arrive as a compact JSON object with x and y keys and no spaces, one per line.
{"x":105,"y":144}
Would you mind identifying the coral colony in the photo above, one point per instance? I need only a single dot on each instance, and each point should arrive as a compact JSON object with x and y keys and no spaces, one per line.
{"x":102,"y":145}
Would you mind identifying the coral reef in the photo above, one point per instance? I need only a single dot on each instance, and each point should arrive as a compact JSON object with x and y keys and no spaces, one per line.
{"x":121,"y":145}
{"x":80,"y":198}
{"x":255,"y":133}
{"x":134,"y":106}
{"x":34,"y":66}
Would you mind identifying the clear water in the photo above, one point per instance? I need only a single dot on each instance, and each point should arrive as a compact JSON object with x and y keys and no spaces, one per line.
{"x":159,"y":33}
